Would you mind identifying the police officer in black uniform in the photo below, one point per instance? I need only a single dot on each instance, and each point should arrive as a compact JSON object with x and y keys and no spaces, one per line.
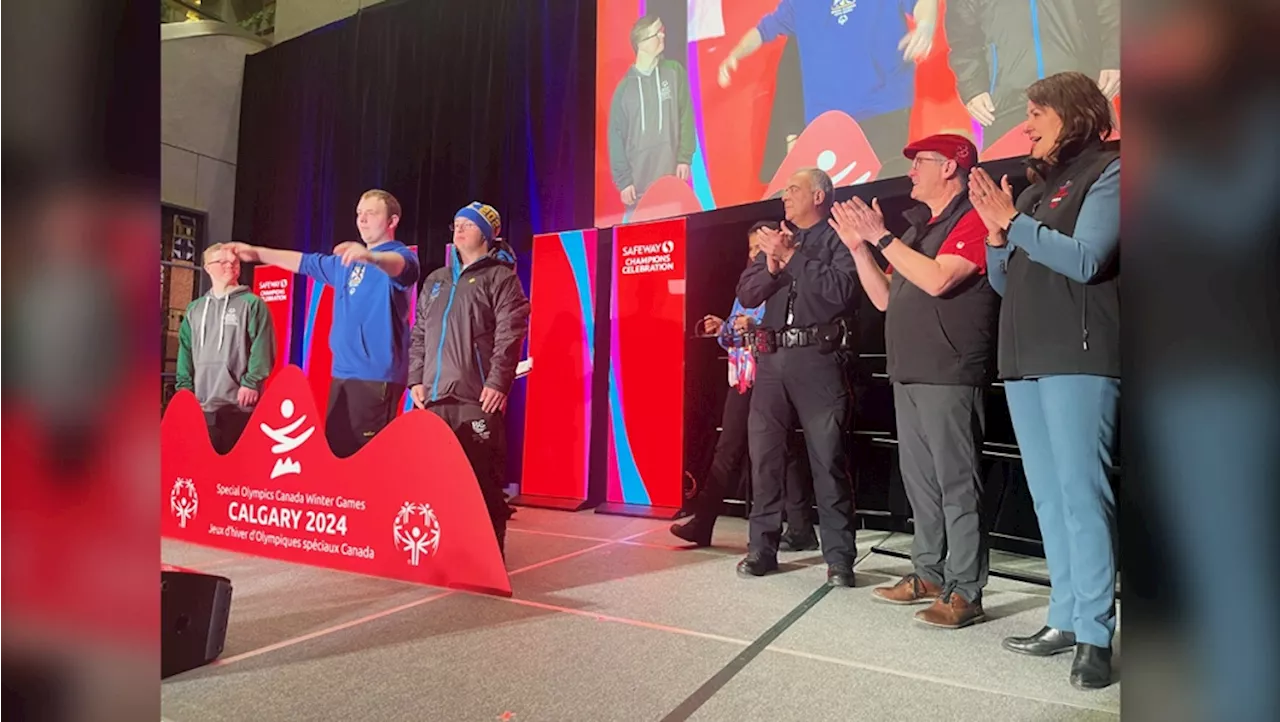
{"x":808,"y":283}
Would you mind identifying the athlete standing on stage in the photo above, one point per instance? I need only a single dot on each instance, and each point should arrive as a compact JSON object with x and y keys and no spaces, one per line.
{"x":466,"y":342}
{"x":370,"y":334}
{"x":806,"y":278}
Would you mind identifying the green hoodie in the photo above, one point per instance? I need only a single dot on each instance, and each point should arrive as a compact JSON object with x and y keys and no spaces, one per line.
{"x":233,"y":345}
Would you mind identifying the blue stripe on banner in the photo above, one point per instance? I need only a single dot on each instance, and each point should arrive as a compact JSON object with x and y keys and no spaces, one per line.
{"x":1035,"y":36}
{"x":633,"y":489}
{"x":575,"y":250}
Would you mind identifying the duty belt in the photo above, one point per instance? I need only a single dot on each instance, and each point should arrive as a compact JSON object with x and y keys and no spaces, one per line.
{"x":768,"y":340}
{"x":828,"y":337}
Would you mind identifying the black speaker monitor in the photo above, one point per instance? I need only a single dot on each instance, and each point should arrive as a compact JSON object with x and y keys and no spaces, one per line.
{"x":194,"y":609}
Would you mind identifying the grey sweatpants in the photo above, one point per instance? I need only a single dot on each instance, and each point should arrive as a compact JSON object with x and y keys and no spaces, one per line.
{"x":940,"y":431}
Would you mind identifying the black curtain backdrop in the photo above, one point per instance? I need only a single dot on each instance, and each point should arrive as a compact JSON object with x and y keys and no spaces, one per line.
{"x":440,"y":103}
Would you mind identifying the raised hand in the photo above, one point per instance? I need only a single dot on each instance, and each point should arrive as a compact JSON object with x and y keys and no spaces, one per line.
{"x":993,"y":203}
{"x":353,"y":252}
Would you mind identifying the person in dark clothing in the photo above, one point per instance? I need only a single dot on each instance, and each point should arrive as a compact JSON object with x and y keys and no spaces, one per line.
{"x":940,"y":342}
{"x":999,"y":47}
{"x":731,"y":447}
{"x":807,"y":281}
{"x":650,"y":117}
{"x":1054,"y":256}
{"x":465,"y":345}
{"x":371,"y":279}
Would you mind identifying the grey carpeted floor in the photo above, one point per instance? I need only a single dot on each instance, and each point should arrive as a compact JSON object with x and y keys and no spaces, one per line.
{"x":611,"y":620}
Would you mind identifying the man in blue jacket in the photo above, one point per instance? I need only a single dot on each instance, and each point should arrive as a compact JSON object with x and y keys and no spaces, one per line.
{"x":466,"y":341}
{"x":857,"y":57}
{"x":371,"y":279}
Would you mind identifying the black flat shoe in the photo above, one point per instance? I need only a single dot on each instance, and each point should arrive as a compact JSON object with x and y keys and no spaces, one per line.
{"x":757,"y":565}
{"x":1091,"y":668}
{"x":1045,"y":643}
{"x":839,"y":576}
{"x":799,"y":542}
{"x":693,"y":532}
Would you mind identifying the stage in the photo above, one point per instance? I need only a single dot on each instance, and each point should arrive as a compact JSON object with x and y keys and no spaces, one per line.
{"x":611,"y":621}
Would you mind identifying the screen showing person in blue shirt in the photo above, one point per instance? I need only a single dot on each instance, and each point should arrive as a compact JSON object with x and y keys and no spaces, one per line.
{"x":856,"y":57}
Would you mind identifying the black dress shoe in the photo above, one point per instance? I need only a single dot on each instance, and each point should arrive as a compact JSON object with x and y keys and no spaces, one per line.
{"x":757,"y":565}
{"x":798,"y":541}
{"x":1091,"y":668}
{"x":694,"y":532}
{"x":1047,"y":642}
{"x":839,"y":575}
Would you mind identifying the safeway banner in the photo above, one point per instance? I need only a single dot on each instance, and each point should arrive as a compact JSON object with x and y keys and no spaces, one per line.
{"x":406,"y":506}
{"x":274,"y":286}
{"x":646,"y":366}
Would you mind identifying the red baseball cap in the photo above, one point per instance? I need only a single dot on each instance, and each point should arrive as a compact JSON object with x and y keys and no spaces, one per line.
{"x":948,"y":145}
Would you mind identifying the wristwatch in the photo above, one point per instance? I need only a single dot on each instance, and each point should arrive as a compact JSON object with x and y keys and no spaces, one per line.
{"x":884,"y":242}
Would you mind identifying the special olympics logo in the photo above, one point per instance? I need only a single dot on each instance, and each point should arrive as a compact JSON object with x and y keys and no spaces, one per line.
{"x":184,"y":501}
{"x":668,"y":246}
{"x":417,"y":531}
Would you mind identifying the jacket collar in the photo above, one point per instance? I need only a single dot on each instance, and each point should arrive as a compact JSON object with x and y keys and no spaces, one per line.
{"x":919,"y":215}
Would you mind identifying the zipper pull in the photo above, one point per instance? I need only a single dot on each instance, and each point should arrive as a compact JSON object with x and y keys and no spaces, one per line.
{"x":1085,"y":339}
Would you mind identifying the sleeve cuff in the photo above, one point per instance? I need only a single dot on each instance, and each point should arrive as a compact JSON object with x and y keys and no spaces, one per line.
{"x":1021,"y":231}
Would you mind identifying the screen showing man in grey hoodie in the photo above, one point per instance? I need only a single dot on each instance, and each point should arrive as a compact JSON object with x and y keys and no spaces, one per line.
{"x":650,"y":118}
{"x":226,"y":349}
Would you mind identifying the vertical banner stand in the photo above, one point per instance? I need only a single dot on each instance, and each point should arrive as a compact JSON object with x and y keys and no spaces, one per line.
{"x":558,"y":408}
{"x":646,"y":371}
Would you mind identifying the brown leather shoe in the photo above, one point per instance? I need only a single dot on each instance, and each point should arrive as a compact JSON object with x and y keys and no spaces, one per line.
{"x":951,"y":611}
{"x":910,"y":589}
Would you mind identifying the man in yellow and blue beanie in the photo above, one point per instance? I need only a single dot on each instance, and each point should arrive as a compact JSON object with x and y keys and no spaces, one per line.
{"x":465,"y":344}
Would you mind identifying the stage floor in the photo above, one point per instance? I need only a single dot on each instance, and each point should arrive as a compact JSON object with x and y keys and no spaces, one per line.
{"x":612,"y":621}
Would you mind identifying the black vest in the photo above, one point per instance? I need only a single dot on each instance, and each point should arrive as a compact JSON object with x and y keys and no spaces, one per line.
{"x":945,"y":340}
{"x":1050,"y":324}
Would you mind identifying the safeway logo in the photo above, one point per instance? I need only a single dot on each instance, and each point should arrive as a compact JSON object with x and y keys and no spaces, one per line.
{"x":668,"y":246}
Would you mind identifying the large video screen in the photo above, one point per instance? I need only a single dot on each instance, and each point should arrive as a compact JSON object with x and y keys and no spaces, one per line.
{"x":704,"y":104}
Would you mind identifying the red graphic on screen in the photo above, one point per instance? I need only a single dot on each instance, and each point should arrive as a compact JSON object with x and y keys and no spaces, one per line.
{"x":646,"y":366}
{"x":833,"y":142}
{"x":282,"y":494}
{"x":557,"y":431}
{"x":666,"y":198}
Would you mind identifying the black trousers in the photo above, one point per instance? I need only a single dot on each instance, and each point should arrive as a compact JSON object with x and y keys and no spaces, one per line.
{"x":801,"y":383}
{"x":887,"y":133}
{"x":726,"y":467}
{"x":940,"y":432}
{"x":225,"y":427}
{"x":483,"y":439}
{"x":358,"y":410}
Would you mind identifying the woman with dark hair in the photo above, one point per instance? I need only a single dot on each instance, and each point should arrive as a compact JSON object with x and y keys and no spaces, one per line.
{"x":1054,"y":257}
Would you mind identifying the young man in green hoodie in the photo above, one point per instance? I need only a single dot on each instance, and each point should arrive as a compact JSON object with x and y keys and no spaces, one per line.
{"x":466,"y":341}
{"x":226,"y":349}
{"x":650,"y":118}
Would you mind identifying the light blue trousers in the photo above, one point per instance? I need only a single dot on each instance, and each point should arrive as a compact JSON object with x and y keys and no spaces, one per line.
{"x":1067,"y":428}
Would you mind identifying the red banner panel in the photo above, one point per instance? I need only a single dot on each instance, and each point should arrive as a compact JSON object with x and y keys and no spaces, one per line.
{"x":281,"y":493}
{"x":646,"y":369}
{"x":557,"y":433}
{"x":274,"y":286}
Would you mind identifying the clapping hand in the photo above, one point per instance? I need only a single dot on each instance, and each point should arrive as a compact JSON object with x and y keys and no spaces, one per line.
{"x":856,"y":222}
{"x":993,"y":203}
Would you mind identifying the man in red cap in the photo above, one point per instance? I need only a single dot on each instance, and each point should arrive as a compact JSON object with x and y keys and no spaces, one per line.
{"x":940,"y":342}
